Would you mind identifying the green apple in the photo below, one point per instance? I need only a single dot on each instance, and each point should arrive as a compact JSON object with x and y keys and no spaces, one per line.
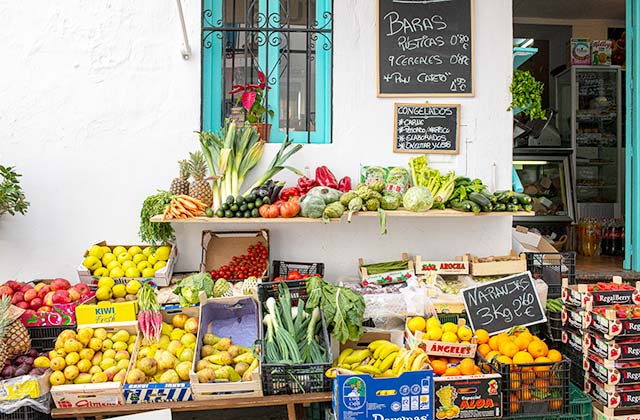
{"x":142,"y":265}
{"x":96,"y":251}
{"x":102,"y":271}
{"x":152,"y":259}
{"x":132,"y":272}
{"x":107,"y":258}
{"x":124,"y":256}
{"x":119,"y":250}
{"x":148,"y":272}
{"x":116,"y":272}
{"x":128,"y":264}
{"x":92,"y":263}
{"x":113,"y":264}
{"x":134,"y":250}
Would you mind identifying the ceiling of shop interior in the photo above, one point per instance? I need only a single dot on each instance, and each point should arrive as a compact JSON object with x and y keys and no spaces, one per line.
{"x":570,"y":9}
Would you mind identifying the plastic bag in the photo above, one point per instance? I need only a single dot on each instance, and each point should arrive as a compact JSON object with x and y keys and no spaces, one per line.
{"x":41,"y":404}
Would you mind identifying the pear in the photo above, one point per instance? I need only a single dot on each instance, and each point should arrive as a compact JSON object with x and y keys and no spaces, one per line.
{"x":182,"y":369}
{"x":234,"y":351}
{"x":207,"y":350}
{"x":170,"y":376}
{"x":148,"y":365}
{"x":135,"y":376}
{"x":241,"y":368}
{"x":206,"y":375}
{"x":202,"y":364}
{"x":166,"y":360}
{"x":223,"y":344}
{"x":186,"y":355}
{"x":122,"y":335}
{"x":83,"y":378}
{"x":120,"y":376}
{"x":210,"y":339}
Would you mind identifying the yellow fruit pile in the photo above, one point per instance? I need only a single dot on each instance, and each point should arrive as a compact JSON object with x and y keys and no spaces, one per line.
{"x":109,"y":290}
{"x":169,"y":360}
{"x":90,"y":356}
{"x":221,"y":360}
{"x":102,"y":261}
{"x":434,"y":331}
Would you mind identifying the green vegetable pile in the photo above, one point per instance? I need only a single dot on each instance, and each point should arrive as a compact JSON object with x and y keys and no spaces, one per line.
{"x":526,"y":94}
{"x":554,"y":305}
{"x":386,"y":267}
{"x":441,"y":186}
{"x":343,"y":308}
{"x":155,"y":233}
{"x":190,"y":287}
{"x":473,"y":196}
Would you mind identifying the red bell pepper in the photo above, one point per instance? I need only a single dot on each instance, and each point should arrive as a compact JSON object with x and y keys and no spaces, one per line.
{"x":326,"y":178}
{"x":287,"y":193}
{"x":344,"y":184}
{"x":305,"y":184}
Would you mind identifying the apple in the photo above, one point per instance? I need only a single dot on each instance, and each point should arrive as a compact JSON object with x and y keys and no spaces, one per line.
{"x":43,"y":291}
{"x":6,"y":290}
{"x":48,"y":299}
{"x":30,"y":294}
{"x":74,"y":294}
{"x":44,"y":309}
{"x":39,"y":286}
{"x":17,"y":297}
{"x":14,"y":285}
{"x":25,"y":287}
{"x":23,"y":305}
{"x":28,"y":313}
{"x":35,"y":303}
{"x":82,"y":288}
{"x":61,"y":297}
{"x":60,"y":284}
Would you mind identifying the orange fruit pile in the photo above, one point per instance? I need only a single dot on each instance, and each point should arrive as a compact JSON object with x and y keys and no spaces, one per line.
{"x":453,"y":366}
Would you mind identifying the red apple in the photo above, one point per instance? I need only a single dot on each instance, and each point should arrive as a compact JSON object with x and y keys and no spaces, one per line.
{"x":25,"y":287}
{"x":17,"y":297}
{"x":60,"y":284}
{"x":6,"y":290}
{"x":61,"y":297}
{"x":82,"y":288}
{"x":44,"y":309}
{"x":30,"y":294}
{"x":35,"y":303}
{"x":73,"y":294}
{"x":48,"y":299}
{"x":43,"y":291}
{"x":29,"y":313}
{"x":39,"y":286}
{"x":23,"y":305}
{"x":14,"y":285}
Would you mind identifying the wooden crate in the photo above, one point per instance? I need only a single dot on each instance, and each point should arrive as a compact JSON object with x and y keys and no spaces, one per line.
{"x":499,"y":268}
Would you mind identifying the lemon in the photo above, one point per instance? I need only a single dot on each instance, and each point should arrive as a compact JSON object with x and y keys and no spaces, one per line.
{"x":133,"y":286}
{"x":134,"y":250}
{"x":103,"y":293}
{"x":100,"y":272}
{"x":148,"y":272}
{"x":119,"y":250}
{"x":127,"y":264}
{"x":96,"y":251}
{"x":160,"y":264}
{"x":132,"y":272}
{"x":433,"y":323}
{"x":119,"y":290}
{"x":434,"y":334}
{"x":113,"y":264}
{"x":148,"y":251}
{"x":449,"y":337}
{"x":450,"y":327}
{"x":116,"y":272}
{"x":417,"y":323}
{"x":142,"y":265}
{"x":152,"y":259}
{"x":465,"y":333}
{"x":163,"y":253}
{"x":138,"y":258}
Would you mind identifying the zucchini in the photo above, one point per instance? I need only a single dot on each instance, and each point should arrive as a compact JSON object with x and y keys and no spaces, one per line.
{"x":500,"y":207}
{"x":460,"y":206}
{"x":514,"y":201}
{"x":474,"y":207}
{"x":504,"y":196}
{"x":522,"y":198}
{"x":489,"y":196}
{"x":527,"y":207}
{"x":512,"y":207}
{"x":480,"y":200}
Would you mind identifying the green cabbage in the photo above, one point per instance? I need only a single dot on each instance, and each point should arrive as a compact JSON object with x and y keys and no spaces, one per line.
{"x":190,"y":287}
{"x":418,"y":199}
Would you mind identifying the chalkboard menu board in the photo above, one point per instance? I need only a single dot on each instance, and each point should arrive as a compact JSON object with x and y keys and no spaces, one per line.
{"x":425,"y":47}
{"x":504,"y":303}
{"x":426,"y":128}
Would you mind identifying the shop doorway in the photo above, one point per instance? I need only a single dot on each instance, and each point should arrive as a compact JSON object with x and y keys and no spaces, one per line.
{"x":578,"y":163}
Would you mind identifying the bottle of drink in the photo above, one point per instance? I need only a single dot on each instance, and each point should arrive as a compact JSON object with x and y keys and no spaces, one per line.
{"x":606,"y":236}
{"x":622,"y":237}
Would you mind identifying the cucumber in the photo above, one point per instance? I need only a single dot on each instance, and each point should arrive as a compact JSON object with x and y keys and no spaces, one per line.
{"x":522,"y":198}
{"x":460,"y":206}
{"x":480,"y":200}
{"x":474,"y":207}
{"x":512,"y":207}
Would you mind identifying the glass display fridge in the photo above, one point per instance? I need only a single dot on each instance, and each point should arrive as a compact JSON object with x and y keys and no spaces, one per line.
{"x":589,"y":105}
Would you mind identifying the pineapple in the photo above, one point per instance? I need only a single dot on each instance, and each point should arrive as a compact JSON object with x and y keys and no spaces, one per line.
{"x":180,"y":185}
{"x":199,"y":188}
{"x":14,"y":337}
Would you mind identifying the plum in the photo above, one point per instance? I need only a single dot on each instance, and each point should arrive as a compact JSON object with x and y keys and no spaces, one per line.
{"x":33,"y":353}
{"x":28,"y":361}
{"x":22,"y":370}
{"x":20,"y":359}
{"x":8,"y":362}
{"x":9,"y":371}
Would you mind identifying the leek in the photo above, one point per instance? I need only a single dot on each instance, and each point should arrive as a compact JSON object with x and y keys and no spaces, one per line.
{"x":278,"y":164}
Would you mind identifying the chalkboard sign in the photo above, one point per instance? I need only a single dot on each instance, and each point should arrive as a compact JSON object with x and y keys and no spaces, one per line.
{"x":426,"y":128}
{"x":504,"y":303}
{"x":425,"y":47}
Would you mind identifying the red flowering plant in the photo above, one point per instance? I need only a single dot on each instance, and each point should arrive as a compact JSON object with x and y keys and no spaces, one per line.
{"x":253,"y":98}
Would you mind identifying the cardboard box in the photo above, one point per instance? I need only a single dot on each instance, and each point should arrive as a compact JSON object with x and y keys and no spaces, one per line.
{"x":60,"y":315}
{"x":159,"y":392}
{"x":360,"y":397}
{"x":467,"y":397}
{"x":611,"y":372}
{"x":610,"y":326}
{"x":392,"y":277}
{"x":218,"y":248}
{"x":574,"y":318}
{"x":524,"y":240}
{"x":499,"y":268}
{"x":580,"y":51}
{"x":445,"y":268}
{"x":93,"y":312}
{"x":95,"y":395}
{"x":618,"y":349}
{"x":579,"y":295}
{"x":439,"y":348}
{"x":26,"y":386}
{"x":573,"y":339}
{"x":599,"y":415}
{"x":610,"y":396}
{"x":236,"y":318}
{"x":601,"y":52}
{"x":162,"y":277}
{"x":371,"y":334}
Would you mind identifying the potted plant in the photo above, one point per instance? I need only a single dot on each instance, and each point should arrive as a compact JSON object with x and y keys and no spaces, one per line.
{"x":12,"y":199}
{"x":526,"y":94}
{"x":253,"y":100}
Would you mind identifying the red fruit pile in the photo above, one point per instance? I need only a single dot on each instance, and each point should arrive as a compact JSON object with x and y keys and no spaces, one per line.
{"x":622,"y":311}
{"x":604,"y":287}
{"x":253,"y":263}
{"x":42,"y":296}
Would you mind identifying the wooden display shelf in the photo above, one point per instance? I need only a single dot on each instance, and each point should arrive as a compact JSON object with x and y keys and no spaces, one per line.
{"x":390,"y":214}
{"x":294,"y":405}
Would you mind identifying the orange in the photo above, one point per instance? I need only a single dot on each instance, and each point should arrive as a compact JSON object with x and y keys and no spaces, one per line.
{"x":514,"y":406}
{"x":483,"y":349}
{"x":508,"y":348}
{"x":541,"y":371}
{"x":528,"y":376}
{"x":491,"y":355}
{"x":538,"y":348}
{"x":477,"y":370}
{"x":527,"y":335}
{"x":522,"y":341}
{"x":482,"y":336}
{"x":555,"y":405}
{"x":467,"y":366}
{"x":452,"y":371}
{"x":541,"y":385}
{"x":526,"y":394}
{"x":439,"y":367}
{"x":417,"y":323}
{"x":522,"y":358}
{"x":503,"y":337}
{"x":494,"y":343}
{"x":504,"y":359}
{"x":554,"y":355}
{"x":454,"y":360}
{"x":515,"y":381}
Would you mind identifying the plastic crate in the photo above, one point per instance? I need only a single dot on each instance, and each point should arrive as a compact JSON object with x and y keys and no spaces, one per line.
{"x":553,"y":328}
{"x":551,"y":269}
{"x":28,"y":410}
{"x":576,"y":373}
{"x":580,"y":408}
{"x":517,"y":398}
{"x":444,"y":318}
{"x":283,"y":268}
{"x":280,"y":378}
{"x":44,"y":338}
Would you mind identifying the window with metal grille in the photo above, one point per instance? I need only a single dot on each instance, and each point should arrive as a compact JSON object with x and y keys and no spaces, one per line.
{"x":290,"y":41}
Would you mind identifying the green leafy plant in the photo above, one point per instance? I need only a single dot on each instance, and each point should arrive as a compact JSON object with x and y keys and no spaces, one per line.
{"x":526,"y":94}
{"x":12,"y":198}
{"x":253,"y":99}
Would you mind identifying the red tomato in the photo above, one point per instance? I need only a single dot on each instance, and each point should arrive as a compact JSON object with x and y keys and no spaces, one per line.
{"x":294,"y":275}
{"x":278,"y":279}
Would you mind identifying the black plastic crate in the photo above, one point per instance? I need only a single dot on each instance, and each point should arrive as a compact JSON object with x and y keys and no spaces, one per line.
{"x":552,"y":268}
{"x":280,"y":378}
{"x":283,"y":268}
{"x":576,"y":374}
{"x":27,"y":411}
{"x":44,"y":338}
{"x":553,"y":328}
{"x":530,"y":390}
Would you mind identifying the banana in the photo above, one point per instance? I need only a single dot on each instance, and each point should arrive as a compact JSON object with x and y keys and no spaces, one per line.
{"x":388,"y":361}
{"x":387,"y":374}
{"x":418,"y":362}
{"x":371,"y":362}
{"x":356,"y":356}
{"x":345,"y":353}
{"x":333,"y":372}
{"x":368,"y":369}
{"x":354,"y":365}
{"x":387,"y":350}
{"x":377,"y":364}
{"x":397,"y":363}
{"x":403,"y":363}
{"x":412,"y":355}
{"x":375,"y":344}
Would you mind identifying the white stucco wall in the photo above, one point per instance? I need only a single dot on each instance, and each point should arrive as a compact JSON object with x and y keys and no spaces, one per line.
{"x":98,"y":105}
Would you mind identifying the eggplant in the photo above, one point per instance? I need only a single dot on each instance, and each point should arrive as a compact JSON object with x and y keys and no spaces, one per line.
{"x":261,"y":192}
{"x":275,"y":192}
